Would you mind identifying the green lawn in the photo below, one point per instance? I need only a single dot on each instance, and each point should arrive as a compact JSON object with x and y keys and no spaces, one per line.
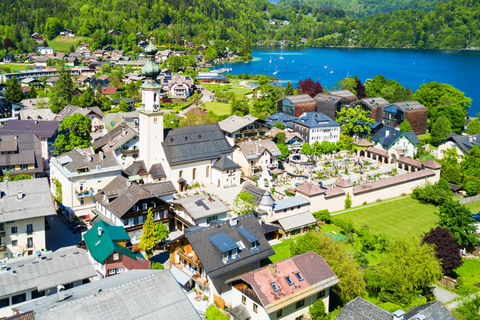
{"x":218,"y":107}
{"x":14,"y":66}
{"x":62,"y":44}
{"x":238,"y":91}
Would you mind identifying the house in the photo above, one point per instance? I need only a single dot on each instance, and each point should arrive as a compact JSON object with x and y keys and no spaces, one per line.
{"x":25,"y":204}
{"x":255,"y":156}
{"x":45,"y":50}
{"x":303,"y":40}
{"x":313,"y":126}
{"x":39,"y":275}
{"x":8,"y":58}
{"x":95,"y":114}
{"x":129,"y":102}
{"x":151,"y":294}
{"x":83,"y":80}
{"x":138,"y":172}
{"x":21,"y":154}
{"x":404,"y":142}
{"x":71,"y":62}
{"x":295,"y":105}
{"x":375,"y":105}
{"x":109,"y":91}
{"x":107,"y":247}
{"x":242,"y":128}
{"x":123,"y":141}
{"x":283,"y":290}
{"x":46,"y":131}
{"x":34,"y":103}
{"x":109,"y":48}
{"x":262,"y":198}
{"x":51,"y":81}
{"x":413,"y":111}
{"x":198,"y":210}
{"x":113,"y":33}
{"x":461,"y":143}
{"x":211,"y":77}
{"x":281,"y":117}
{"x":83,"y":47}
{"x":205,"y":257}
{"x":81,"y":173}
{"x":37,"y":114}
{"x":361,"y":309}
{"x":31,"y":82}
{"x":142,"y":44}
{"x":132,"y":77}
{"x":67,"y":33}
{"x":178,"y":86}
{"x":291,"y":214}
{"x":111,"y":120}
{"x":293,"y":140}
{"x":41,"y":61}
{"x":8,"y":111}
{"x":36,"y":36}
{"x":329,"y":103}
{"x":126,"y":204}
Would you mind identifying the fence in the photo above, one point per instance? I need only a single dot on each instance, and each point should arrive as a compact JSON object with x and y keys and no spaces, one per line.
{"x":469,"y":199}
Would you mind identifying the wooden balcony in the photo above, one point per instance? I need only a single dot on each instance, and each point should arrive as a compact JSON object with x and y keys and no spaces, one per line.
{"x":184,"y":255}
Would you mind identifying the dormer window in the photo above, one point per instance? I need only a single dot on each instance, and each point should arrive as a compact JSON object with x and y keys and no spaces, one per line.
{"x":225,"y":256}
{"x":253,"y":245}
{"x":289,"y":281}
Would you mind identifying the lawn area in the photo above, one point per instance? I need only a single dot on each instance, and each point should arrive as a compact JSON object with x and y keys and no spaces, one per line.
{"x":282,"y":251}
{"x":218,"y":107}
{"x":14,"y":66}
{"x":238,"y":91}
{"x":63,"y":44}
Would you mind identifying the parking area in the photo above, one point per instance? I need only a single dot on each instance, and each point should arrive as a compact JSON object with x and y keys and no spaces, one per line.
{"x":59,"y":235}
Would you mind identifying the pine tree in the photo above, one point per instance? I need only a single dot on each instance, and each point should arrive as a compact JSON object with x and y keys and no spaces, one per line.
{"x":14,"y":93}
{"x":87,"y":98}
{"x":148,"y":240}
{"x":289,"y":89}
{"x":405,"y":126}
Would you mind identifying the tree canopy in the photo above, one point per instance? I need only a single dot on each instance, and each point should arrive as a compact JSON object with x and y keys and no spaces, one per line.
{"x":354,"y":120}
{"x":310,"y":87}
{"x":13,"y":92}
{"x":457,"y":219}
{"x":148,"y":240}
{"x":75,"y":132}
{"x":446,"y":247}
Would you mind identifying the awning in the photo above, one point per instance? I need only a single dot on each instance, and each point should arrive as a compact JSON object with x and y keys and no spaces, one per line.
{"x":135,"y":178}
{"x":297,"y":221}
{"x":181,"y":277}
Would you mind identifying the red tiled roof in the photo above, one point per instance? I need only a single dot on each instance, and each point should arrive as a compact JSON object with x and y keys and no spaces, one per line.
{"x":432,"y":164}
{"x":377,"y":151}
{"x":334,"y":192}
{"x":309,"y":189}
{"x":363,"y":143}
{"x":343,"y":183}
{"x":410,"y":161}
{"x":109,"y":90}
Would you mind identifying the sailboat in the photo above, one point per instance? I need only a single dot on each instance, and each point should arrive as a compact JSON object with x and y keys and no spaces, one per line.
{"x":276,"y":72}
{"x":270,"y":60}
{"x":331,"y":70}
{"x":281,"y":52}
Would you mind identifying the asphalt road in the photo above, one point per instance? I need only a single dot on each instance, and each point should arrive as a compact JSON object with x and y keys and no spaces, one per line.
{"x":59,"y":235}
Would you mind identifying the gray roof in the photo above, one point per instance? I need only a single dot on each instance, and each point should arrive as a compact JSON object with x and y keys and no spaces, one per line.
{"x":240,"y":312}
{"x":342,"y":93}
{"x":211,"y":257}
{"x":63,"y":266}
{"x":225,"y":163}
{"x":463,"y":142}
{"x":202,"y":206}
{"x":409,"y":105}
{"x":71,"y":109}
{"x":116,"y":138}
{"x":388,"y":136}
{"x":290,"y":202}
{"x":431,"y":311}
{"x":85,"y":158}
{"x":316,"y":120}
{"x":361,"y":309}
{"x":299,"y":98}
{"x":281,"y":117}
{"x":160,"y":189}
{"x":136,"y":294}
{"x":297,"y":221}
{"x":36,"y":201}
{"x":254,"y":149}
{"x":234,"y":123}
{"x":27,"y":150}
{"x":157,"y":172}
{"x":375,"y":102}
{"x":195,"y":143}
{"x":135,"y":168}
{"x":260,"y":196}
{"x":43,"y":129}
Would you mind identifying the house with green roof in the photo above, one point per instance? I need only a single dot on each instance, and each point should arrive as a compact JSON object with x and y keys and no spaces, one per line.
{"x":107,"y":246}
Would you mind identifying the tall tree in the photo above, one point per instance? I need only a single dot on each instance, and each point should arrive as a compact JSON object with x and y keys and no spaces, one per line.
{"x":457,"y":219}
{"x":161,"y":231}
{"x":87,"y":98}
{"x":75,"y":132}
{"x":433,"y":94}
{"x":405,"y":126}
{"x":440,"y":130}
{"x":148,"y":240}
{"x":289,"y":89}
{"x":446,"y":247}
{"x":360,"y":89}
{"x":310,"y":87}
{"x":13,"y":92}
{"x":354,"y":120}
{"x":243,"y":203}
{"x":61,"y":94}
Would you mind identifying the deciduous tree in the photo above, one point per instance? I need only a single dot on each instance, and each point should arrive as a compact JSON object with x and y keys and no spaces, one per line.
{"x":161,"y":231}
{"x":457,"y":219}
{"x":243,"y":203}
{"x":75,"y":133}
{"x":405,"y":126}
{"x":310,"y":87}
{"x":148,"y":240}
{"x":354,"y":120}
{"x":433,"y":94}
{"x":446,"y":247}
{"x":317,"y":311}
{"x":440,"y":130}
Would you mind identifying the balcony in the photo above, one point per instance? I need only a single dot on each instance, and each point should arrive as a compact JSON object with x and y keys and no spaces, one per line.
{"x":2,"y":233}
{"x":3,"y":247}
{"x":187,"y":257}
{"x":131,"y":151}
{"x":192,"y":274}
{"x":85,"y":193}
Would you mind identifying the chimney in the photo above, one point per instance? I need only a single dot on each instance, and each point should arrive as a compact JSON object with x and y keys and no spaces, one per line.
{"x":398,"y":315}
{"x":100,"y":231}
{"x":233,"y":222}
{"x":39,"y":255}
{"x":387,"y":133}
{"x":60,"y":293}
{"x":19,"y":195}
{"x":470,"y":138}
{"x":101,"y":155}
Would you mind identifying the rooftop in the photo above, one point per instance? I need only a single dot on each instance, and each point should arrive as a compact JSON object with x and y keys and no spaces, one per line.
{"x":116,"y":138}
{"x":315,"y":120}
{"x":254,"y":149}
{"x":260,"y":196}
{"x":234,"y":123}
{"x":299,"y":98}
{"x":410,"y":105}
{"x":85,"y":160}
{"x":290,"y":202}
{"x":43,"y":129}
{"x":202,"y":206}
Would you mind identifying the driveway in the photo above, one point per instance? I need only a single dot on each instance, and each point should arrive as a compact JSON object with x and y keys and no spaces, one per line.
{"x":59,"y":235}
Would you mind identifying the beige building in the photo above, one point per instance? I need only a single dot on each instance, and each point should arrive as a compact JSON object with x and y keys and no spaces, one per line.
{"x":24,"y":205}
{"x":256,"y":156}
{"x":462,"y":145}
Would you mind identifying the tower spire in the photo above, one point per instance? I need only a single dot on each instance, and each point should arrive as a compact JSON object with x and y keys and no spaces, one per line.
{"x":151,"y":89}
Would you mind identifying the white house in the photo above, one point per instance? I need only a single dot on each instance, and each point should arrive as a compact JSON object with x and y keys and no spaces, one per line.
{"x":123,"y":141}
{"x":313,"y":126}
{"x":256,"y":156}
{"x":45,"y":50}
{"x":404,"y":142}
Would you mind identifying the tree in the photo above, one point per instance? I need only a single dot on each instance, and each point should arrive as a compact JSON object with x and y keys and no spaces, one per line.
{"x":306,"y":149}
{"x":405,"y":126}
{"x":148,"y":240}
{"x":289,"y":89}
{"x":213,"y":313}
{"x":374,"y":86}
{"x":263,"y":80}
{"x":171,"y":120}
{"x":468,"y":309}
{"x":280,"y":138}
{"x":32,"y":94}
{"x":360,"y":89}
{"x":354,"y":120}
{"x":440,"y":130}
{"x":279,"y":125}
{"x":193,"y":119}
{"x":52,"y":27}
{"x":473,"y":127}
{"x":8,"y":43}
{"x":317,"y":311}
{"x":457,"y":219}
{"x":455,"y":115}
{"x":161,"y":231}
{"x":76,"y":133}
{"x":240,"y":107}
{"x":471,"y":188}
{"x":61,"y":94}
{"x":87,"y":98}
{"x":348,"y":201}
{"x":13,"y":92}
{"x":284,"y":150}
{"x":433,"y":94}
{"x":243,"y":203}
{"x":446,"y":247}
{"x":308,"y":86}
{"x":349,"y":84}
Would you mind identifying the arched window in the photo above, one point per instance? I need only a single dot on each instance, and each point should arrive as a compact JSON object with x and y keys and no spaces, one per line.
{"x":194,"y":174}
{"x":207,"y":172}
{"x":180,"y":174}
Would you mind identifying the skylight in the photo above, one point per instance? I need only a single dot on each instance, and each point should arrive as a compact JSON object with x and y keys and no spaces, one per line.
{"x":274,"y":286}
{"x":289,"y":281}
{"x":299,"y":276}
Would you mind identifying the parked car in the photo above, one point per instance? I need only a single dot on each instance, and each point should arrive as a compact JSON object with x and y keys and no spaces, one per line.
{"x":80,"y":228}
{"x":75,"y":224}
{"x":476,"y":216}
{"x":296,"y":157}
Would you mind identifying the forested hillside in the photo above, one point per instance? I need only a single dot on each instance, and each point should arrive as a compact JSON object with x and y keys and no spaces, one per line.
{"x":364,"y":8}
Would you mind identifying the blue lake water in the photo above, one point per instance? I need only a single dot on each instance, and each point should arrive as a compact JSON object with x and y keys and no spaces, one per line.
{"x":411,"y":68}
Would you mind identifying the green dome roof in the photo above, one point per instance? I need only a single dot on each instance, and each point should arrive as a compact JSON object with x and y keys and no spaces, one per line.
{"x":151,"y":69}
{"x":151,"y":49}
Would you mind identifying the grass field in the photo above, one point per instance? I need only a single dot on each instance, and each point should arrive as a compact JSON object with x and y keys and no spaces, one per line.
{"x":14,"y":66}
{"x":238,"y":91}
{"x":62,"y":44}
{"x":218,"y":107}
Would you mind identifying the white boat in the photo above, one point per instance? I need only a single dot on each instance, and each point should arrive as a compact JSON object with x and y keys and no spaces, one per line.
{"x":281,"y":52}
{"x":270,"y":60}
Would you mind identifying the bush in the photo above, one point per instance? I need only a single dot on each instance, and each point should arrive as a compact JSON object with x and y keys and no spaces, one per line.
{"x":345,"y":224}
{"x":288,"y":193}
{"x":348,"y":201}
{"x":364,"y":203}
{"x":213,"y":313}
{"x":432,"y":193}
{"x":157,"y":266}
{"x":360,"y":257}
{"x":323,"y":215}
{"x":471,"y":188}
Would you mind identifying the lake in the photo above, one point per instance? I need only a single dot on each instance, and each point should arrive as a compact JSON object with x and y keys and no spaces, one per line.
{"x":410,"y":67}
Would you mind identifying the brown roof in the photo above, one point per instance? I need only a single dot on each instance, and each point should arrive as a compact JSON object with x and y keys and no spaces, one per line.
{"x":393,"y":181}
{"x":109,"y":90}
{"x":334,"y":192}
{"x":29,"y":315}
{"x":343,"y":183}
{"x":254,"y":149}
{"x":313,"y":280}
{"x":363,"y":143}
{"x":377,"y":151}
{"x":410,"y":161}
{"x":432,"y":164}
{"x":196,"y":111}
{"x":309,"y":189}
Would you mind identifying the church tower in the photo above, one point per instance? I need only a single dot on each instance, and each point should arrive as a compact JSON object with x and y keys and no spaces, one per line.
{"x":150,"y":116}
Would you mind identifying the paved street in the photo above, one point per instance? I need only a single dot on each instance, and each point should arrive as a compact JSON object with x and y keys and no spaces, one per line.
{"x":59,"y":235}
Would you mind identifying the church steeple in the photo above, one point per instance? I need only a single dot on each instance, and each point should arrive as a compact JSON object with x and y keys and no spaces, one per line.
{"x":151,"y":89}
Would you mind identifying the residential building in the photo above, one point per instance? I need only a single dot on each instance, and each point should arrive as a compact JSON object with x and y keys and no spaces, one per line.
{"x":375,"y":105}
{"x":45,"y":50}
{"x":329,"y":103}
{"x":71,"y":62}
{"x":9,"y":58}
{"x":293,"y":140}
{"x":243,"y":128}
{"x":8,"y":111}
{"x":461,"y":143}
{"x":111,"y":120}
{"x":283,"y":290}
{"x":24,"y":206}
{"x":178,"y":86}
{"x":67,"y":33}
{"x":21,"y":154}
{"x":138,"y":172}
{"x":262,"y":199}
{"x":31,"y":82}
{"x":39,"y":275}
{"x":95,"y":114}
{"x":127,"y":203}
{"x":361,"y":309}
{"x":212,"y":77}
{"x":129,"y":102}
{"x":107,"y":247}
{"x":205,"y":257}
{"x":37,"y":114}
{"x":109,"y":91}
{"x":292,"y":214}
{"x":413,"y":111}
{"x":81,"y":173}
{"x":256,"y":156}
{"x":404,"y":142}
{"x":198,"y":210}
{"x":83,"y":80}
{"x":46,"y":131}
{"x":38,"y":73}
{"x":296,"y":105}
{"x":134,"y":295}
{"x":123,"y":141}
{"x":313,"y":126}
{"x":281,"y":117}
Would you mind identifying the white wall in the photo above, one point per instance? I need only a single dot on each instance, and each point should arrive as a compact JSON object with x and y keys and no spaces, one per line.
{"x":447,"y":145}
{"x":38,"y":236}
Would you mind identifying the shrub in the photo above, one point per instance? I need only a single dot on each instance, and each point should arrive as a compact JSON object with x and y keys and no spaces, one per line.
{"x":323,"y":215}
{"x":348,"y":201}
{"x":213,"y":313}
{"x":345,"y":224}
{"x":432,"y":193}
{"x":364,"y":203}
{"x":157,"y":266}
{"x":471,"y":188}
{"x":360,"y":257}
{"x":288,"y":193}
{"x":379,"y":200}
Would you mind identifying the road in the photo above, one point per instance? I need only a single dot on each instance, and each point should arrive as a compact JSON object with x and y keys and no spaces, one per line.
{"x":59,"y":235}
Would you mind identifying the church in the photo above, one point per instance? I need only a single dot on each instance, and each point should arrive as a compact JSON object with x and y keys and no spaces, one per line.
{"x":195,"y":154}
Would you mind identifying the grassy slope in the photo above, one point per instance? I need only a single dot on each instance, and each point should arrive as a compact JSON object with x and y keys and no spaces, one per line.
{"x":14,"y":66}
{"x":218,"y":107}
{"x":62,"y":44}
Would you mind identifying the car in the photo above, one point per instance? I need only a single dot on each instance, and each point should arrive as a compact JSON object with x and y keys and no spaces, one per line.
{"x":75,"y":224}
{"x":476,"y":216}
{"x":80,"y":228}
{"x":296,"y":157}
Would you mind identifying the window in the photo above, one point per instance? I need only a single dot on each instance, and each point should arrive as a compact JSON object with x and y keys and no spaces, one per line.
{"x":299,"y":318}
{"x":14,"y":230}
{"x":212,"y":218}
{"x":194,"y":173}
{"x":19,"y":298}
{"x":253,"y":245}
{"x":255,"y":308}
{"x":24,"y":167}
{"x":82,"y":201}
{"x":279,"y":313}
{"x":207,"y":172}
{"x":274,"y":286}
{"x":115,"y":256}
{"x":112,"y":271}
{"x":155,"y":120}
{"x":234,"y":252}
{"x":289,"y":281}
{"x":144,"y":206}
{"x":300,"y":304}
{"x":37,"y":294}
{"x":321,"y":294}
{"x":299,"y":276}
{"x":225,"y":255}
{"x":120,"y":270}
{"x":14,"y":243}
{"x":29,"y":242}
{"x":240,"y":245}
{"x":244,"y":299}
{"x":4,"y":302}
{"x":29,"y":228}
